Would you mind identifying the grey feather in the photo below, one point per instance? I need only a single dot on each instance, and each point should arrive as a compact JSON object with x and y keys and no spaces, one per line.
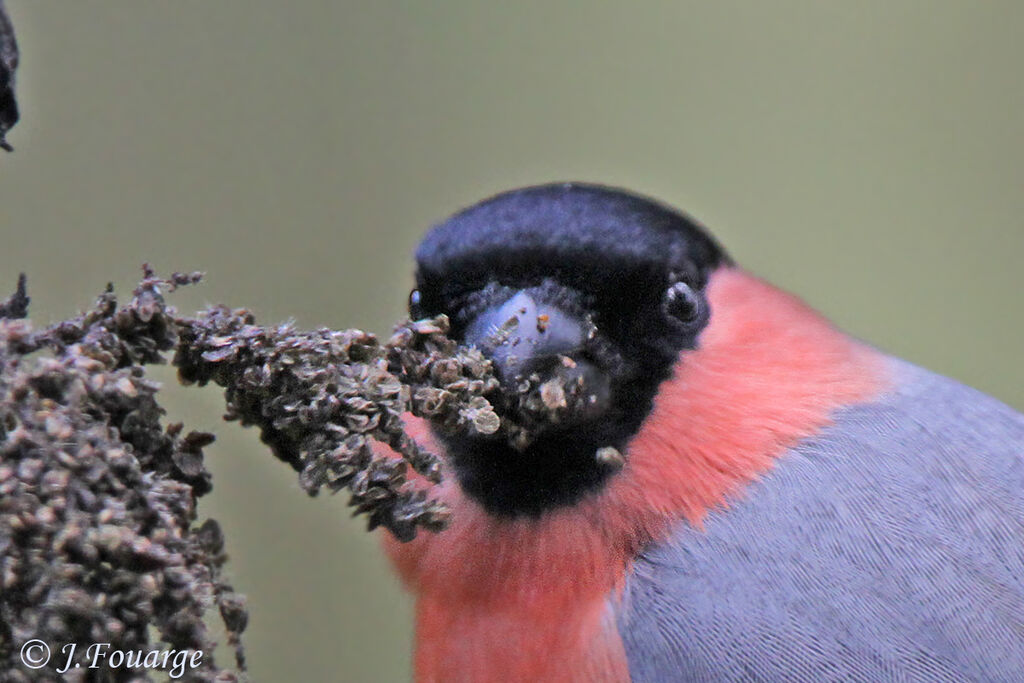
{"x":890,"y":547}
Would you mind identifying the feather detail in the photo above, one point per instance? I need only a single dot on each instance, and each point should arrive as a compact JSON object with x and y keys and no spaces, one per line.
{"x":528,"y":599}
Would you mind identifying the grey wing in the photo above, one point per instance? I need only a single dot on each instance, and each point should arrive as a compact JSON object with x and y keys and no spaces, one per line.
{"x":888,"y":548}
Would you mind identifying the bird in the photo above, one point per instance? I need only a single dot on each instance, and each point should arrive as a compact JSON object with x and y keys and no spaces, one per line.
{"x":746,"y":492}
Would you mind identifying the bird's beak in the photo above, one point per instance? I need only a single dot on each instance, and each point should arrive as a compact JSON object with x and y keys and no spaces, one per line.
{"x":521,"y":336}
{"x":532,"y":343}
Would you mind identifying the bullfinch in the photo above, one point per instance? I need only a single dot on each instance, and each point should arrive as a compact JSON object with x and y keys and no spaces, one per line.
{"x":743,"y":492}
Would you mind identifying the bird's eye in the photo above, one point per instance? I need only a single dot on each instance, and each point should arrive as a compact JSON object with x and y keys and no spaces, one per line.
{"x":682,"y":303}
{"x":415,"y":309}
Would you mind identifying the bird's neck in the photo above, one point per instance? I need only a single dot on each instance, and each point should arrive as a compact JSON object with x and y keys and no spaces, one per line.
{"x":531,"y":599}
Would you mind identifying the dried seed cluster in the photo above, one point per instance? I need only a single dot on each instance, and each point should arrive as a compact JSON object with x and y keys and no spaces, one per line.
{"x":539,"y":402}
{"x":320,"y":398}
{"x":98,"y":534}
{"x":98,"y":541}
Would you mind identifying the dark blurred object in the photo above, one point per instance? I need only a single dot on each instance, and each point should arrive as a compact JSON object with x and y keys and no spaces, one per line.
{"x":8,"y":63}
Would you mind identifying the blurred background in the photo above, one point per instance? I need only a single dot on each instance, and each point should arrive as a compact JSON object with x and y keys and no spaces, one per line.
{"x":866,"y":156}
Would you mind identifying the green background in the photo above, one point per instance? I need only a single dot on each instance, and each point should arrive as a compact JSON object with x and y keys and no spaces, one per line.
{"x":868,"y":156}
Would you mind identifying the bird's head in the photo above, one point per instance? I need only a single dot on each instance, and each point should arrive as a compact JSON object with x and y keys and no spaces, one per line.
{"x":582,"y":297}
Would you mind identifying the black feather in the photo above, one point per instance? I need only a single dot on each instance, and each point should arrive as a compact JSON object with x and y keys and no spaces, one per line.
{"x":618,"y":253}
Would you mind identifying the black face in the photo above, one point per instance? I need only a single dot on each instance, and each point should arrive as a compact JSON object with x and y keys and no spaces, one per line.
{"x":593,"y":287}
